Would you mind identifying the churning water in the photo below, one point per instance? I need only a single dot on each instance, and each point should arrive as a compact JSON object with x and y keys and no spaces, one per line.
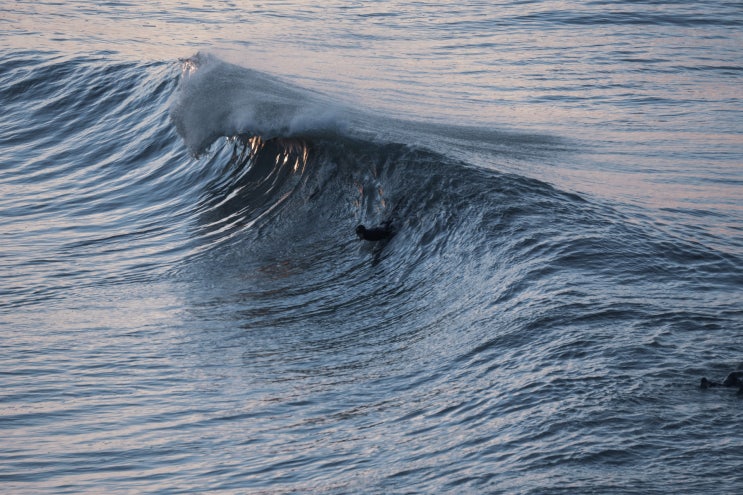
{"x":185,"y":306}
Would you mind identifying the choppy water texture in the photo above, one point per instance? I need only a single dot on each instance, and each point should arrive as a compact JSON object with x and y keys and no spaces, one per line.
{"x":185,"y":307}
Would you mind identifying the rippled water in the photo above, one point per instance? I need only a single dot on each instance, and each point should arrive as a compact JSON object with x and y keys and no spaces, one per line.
{"x":185,"y":307}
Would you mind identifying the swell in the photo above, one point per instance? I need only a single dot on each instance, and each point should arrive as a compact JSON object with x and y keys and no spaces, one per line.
{"x":107,"y":193}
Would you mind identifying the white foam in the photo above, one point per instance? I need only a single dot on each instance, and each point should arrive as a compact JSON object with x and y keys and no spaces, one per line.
{"x":219,"y":99}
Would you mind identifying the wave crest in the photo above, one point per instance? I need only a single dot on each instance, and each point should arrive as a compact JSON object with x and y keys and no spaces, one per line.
{"x":218,"y":99}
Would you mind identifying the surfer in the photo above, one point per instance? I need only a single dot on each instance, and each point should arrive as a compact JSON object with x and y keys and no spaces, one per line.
{"x":382,"y":232}
{"x":734,"y":379}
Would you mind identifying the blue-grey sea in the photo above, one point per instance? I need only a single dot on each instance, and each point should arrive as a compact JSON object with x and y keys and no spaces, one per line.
{"x":185,"y":306}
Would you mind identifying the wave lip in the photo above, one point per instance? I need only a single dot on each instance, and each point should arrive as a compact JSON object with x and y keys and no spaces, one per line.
{"x":218,"y":99}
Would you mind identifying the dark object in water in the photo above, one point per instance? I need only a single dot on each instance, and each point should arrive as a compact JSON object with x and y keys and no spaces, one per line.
{"x":734,"y":379}
{"x":379,"y":233}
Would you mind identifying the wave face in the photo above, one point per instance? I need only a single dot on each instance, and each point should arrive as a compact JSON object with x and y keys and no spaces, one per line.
{"x":181,"y":266}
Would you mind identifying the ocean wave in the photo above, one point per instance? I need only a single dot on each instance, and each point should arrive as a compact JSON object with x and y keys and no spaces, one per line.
{"x":146,"y":172}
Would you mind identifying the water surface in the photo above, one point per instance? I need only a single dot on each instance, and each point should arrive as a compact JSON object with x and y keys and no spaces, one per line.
{"x":185,"y":308}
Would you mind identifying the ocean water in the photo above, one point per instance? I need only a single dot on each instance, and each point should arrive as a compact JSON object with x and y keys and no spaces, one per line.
{"x":185,"y":307}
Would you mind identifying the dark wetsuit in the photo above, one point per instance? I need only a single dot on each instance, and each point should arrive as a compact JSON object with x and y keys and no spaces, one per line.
{"x":380,"y":233}
{"x":734,"y":379}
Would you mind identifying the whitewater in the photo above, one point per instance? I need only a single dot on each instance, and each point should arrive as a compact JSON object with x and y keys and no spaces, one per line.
{"x":185,"y":306}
